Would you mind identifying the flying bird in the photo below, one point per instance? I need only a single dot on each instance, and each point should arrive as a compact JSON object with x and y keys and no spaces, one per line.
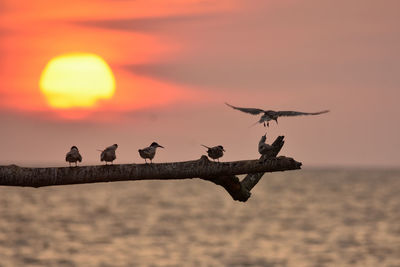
{"x":273,"y":115}
{"x":73,"y":156}
{"x":215,"y":152}
{"x":108,"y":154}
{"x":149,"y":152}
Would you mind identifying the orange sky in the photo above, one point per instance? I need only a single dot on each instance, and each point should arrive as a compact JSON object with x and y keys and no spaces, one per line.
{"x":38,"y":31}
{"x":177,"y":62}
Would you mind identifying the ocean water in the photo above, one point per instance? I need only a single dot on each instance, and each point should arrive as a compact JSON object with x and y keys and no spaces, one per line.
{"x":296,"y":218}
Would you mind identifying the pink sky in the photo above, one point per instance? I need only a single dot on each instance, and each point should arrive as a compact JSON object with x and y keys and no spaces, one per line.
{"x":177,"y":62}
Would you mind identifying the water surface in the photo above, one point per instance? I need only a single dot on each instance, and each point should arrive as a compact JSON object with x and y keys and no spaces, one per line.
{"x":298,"y":218}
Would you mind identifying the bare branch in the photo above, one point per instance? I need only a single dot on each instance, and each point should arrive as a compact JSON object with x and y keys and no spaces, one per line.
{"x":252,"y":179}
{"x":241,"y":190}
{"x":222,"y":174}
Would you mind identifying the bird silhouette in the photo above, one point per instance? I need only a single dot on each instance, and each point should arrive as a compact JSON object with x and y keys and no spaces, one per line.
{"x":73,"y":156}
{"x":215,"y":152}
{"x":108,"y":154}
{"x":149,"y":152}
{"x":273,"y":115}
{"x":263,"y":147}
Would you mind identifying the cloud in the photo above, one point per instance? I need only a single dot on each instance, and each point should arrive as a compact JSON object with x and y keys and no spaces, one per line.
{"x":270,"y":48}
{"x":273,"y":75}
{"x":150,"y":24}
{"x":203,"y":74}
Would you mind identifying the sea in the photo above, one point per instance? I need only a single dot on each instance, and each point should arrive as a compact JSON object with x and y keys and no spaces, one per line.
{"x":312,"y":217}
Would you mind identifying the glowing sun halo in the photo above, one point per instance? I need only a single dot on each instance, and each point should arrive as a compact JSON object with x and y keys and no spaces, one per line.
{"x":76,"y":80}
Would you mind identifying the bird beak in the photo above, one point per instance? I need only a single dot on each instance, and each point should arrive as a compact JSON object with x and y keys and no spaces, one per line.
{"x":224,"y":150}
{"x":161,"y":146}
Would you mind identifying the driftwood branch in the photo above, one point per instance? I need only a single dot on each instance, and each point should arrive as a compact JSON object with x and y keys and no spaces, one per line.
{"x":219,"y":173}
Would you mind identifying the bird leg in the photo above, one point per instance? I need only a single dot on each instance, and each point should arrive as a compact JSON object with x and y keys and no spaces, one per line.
{"x":76,"y":164}
{"x":69,"y":164}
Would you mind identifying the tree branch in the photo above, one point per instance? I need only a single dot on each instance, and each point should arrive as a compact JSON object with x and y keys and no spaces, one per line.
{"x":252,"y":179}
{"x":219,"y":173}
{"x":241,"y":190}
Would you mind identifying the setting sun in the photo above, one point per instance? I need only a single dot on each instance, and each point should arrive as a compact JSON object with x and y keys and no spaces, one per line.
{"x":76,"y":80}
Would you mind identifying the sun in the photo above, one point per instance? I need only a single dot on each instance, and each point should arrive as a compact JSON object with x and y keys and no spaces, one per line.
{"x":76,"y":80}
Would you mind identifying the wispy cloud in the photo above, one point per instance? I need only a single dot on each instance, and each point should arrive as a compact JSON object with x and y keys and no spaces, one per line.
{"x":147,"y":24}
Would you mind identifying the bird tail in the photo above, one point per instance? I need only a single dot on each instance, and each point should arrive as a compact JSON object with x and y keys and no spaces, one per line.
{"x":206,"y":146}
{"x":253,"y":124}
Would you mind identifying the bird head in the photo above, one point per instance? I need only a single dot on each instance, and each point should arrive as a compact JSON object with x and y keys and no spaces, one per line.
{"x":154,"y":144}
{"x":74,"y":147}
{"x":222,"y":148}
{"x":115,"y":145}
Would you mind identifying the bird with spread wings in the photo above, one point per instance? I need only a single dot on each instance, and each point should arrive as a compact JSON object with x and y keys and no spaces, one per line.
{"x":273,"y":115}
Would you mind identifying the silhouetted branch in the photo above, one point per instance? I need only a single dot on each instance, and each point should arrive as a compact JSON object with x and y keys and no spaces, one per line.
{"x":219,"y":173}
{"x":241,"y":190}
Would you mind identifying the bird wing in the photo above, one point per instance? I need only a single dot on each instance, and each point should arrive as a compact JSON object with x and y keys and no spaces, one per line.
{"x":79,"y":157}
{"x":67,"y":156}
{"x":206,"y":147}
{"x":253,"y":111}
{"x":298,"y":113}
{"x":146,"y":150}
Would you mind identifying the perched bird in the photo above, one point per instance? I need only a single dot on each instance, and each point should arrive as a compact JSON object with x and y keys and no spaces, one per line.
{"x":215,"y":152}
{"x":273,"y":115}
{"x":264,"y":148}
{"x":108,"y":154}
{"x":149,"y":152}
{"x":73,"y":156}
